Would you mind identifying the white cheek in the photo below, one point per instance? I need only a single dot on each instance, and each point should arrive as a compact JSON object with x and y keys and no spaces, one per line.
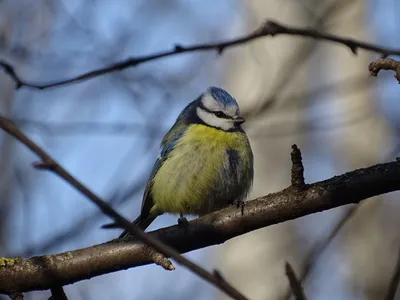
{"x":213,"y":120}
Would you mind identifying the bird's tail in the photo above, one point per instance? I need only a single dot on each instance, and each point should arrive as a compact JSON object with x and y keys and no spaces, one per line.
{"x":141,"y":222}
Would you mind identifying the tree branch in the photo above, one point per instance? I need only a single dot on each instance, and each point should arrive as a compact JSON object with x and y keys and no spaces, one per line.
{"x":57,"y":293}
{"x":385,"y":64}
{"x":50,"y":164}
{"x":297,"y":179}
{"x":46,"y":271}
{"x":294,"y":283}
{"x":269,"y":28}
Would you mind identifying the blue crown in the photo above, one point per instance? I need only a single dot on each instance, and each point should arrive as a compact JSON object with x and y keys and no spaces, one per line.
{"x":222,"y":96}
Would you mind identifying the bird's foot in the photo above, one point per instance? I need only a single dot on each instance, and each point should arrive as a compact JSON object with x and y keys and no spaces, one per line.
{"x":240,"y":204}
{"x":183,"y":222}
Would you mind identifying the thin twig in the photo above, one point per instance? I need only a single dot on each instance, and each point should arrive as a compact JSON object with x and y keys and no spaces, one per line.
{"x":394,"y":282}
{"x":57,"y":293}
{"x":269,"y":28}
{"x":352,"y":44}
{"x":50,"y":164}
{"x":317,"y":250}
{"x":294,"y":283}
{"x":297,"y":177}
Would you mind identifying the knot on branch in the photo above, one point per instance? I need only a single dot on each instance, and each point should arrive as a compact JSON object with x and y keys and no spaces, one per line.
{"x":217,"y":274}
{"x":220,"y":49}
{"x":44,"y":165}
{"x":353,"y":48}
{"x":159,"y":259}
{"x":272,"y":28}
{"x":179,"y":48}
{"x":385,"y":64}
{"x":8,"y":69}
{"x":297,"y":179}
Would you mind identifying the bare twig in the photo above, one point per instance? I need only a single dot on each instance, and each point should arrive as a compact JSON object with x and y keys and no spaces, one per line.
{"x":8,"y":69}
{"x":297,"y":169}
{"x":316,"y":251}
{"x":57,"y":293}
{"x":352,"y":44}
{"x":49,"y":163}
{"x":394,"y":282}
{"x":294,"y":283}
{"x":269,"y":28}
{"x":26,"y":274}
{"x":385,"y":64}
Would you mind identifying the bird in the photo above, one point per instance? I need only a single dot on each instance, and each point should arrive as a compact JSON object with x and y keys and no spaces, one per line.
{"x":205,"y":161}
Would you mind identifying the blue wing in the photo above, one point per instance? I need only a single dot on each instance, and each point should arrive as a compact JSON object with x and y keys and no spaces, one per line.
{"x":167,"y":145}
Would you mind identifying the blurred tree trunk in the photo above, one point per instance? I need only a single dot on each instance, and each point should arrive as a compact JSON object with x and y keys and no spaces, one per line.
{"x":369,"y":240}
{"x":254,"y":263}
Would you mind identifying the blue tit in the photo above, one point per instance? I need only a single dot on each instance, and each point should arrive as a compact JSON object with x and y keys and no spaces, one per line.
{"x":205,"y":161}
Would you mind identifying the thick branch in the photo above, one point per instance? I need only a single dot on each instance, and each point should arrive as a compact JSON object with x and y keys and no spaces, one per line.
{"x":50,"y":164}
{"x":44,"y":272}
{"x":269,"y":28}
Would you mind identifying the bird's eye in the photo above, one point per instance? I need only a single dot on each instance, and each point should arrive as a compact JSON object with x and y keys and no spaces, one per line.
{"x":219,"y":114}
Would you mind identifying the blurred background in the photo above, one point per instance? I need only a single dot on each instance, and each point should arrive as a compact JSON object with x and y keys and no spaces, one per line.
{"x":106,"y":132}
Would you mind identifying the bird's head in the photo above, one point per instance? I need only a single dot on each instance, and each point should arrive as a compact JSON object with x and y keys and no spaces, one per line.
{"x":217,"y":108}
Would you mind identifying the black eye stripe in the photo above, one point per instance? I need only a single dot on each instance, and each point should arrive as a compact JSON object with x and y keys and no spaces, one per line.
{"x":221,"y":114}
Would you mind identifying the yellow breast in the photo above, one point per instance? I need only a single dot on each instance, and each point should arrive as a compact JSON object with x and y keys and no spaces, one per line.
{"x":213,"y":136}
{"x":182,"y":182}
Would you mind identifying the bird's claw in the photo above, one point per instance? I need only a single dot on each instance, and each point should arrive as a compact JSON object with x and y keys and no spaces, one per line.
{"x":183,"y":222}
{"x":240,"y":204}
